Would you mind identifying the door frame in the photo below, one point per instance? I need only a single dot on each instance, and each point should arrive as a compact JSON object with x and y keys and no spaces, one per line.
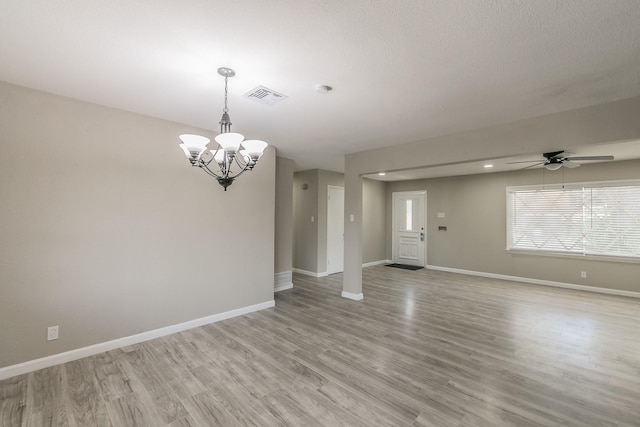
{"x":394,"y":198}
{"x":329,"y":188}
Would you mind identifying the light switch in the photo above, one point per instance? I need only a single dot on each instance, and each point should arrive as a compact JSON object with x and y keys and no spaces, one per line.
{"x":352,"y":218}
{"x":313,"y":219}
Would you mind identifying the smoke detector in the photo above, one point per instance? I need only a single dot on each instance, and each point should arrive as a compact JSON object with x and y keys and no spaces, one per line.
{"x":323,"y":88}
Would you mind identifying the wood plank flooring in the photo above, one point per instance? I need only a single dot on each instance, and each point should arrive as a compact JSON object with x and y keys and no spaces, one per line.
{"x":424,"y":348}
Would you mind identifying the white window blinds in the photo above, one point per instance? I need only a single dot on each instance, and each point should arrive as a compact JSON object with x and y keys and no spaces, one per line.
{"x":589,"y":219}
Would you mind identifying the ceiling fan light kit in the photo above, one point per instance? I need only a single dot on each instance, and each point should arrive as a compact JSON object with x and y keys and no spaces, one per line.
{"x":230,"y":160}
{"x":553,"y":166}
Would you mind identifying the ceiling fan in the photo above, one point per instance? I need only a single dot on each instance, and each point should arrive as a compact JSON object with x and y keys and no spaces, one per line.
{"x":556,"y":159}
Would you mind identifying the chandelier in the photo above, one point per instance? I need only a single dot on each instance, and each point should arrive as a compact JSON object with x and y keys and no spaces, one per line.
{"x":227,"y":161}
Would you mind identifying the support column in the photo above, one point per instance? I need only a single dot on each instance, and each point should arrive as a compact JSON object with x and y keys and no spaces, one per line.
{"x":352,"y":277}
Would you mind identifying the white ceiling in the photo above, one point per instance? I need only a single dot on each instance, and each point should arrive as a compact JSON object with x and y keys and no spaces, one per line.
{"x":402,"y":70}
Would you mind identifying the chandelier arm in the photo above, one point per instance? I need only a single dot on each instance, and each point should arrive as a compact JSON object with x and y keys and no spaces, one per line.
{"x":223,"y":168}
{"x":226,"y":167}
{"x":217,"y":149}
{"x":225,"y":161}
{"x":243,"y":170}
{"x":241,"y":163}
{"x":249,"y":165}
{"x":204,"y":162}
{"x":208,"y":171}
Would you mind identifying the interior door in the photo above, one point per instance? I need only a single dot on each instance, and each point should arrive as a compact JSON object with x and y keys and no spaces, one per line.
{"x":409,"y":224}
{"x":335,"y":229}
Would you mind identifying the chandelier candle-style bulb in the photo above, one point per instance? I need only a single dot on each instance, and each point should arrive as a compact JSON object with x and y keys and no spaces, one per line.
{"x":229,"y":166}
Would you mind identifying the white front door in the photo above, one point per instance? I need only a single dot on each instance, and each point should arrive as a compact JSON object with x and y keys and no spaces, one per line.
{"x":409,"y":223}
{"x":335,"y":229}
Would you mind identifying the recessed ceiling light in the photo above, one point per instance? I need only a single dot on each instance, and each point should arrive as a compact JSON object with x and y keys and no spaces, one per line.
{"x":382,"y":173}
{"x":488,"y":166}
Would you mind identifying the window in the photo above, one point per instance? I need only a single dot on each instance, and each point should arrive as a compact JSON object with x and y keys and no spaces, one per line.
{"x":409,"y":219}
{"x":592,"y":219}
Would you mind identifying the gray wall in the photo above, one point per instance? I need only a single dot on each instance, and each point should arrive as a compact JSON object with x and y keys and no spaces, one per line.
{"x":305,"y":205}
{"x":475,"y":209}
{"x":374,"y":220}
{"x":284,"y":215}
{"x":615,"y":121}
{"x":107,"y":231}
{"x":310,"y":250}
{"x":313,"y":202}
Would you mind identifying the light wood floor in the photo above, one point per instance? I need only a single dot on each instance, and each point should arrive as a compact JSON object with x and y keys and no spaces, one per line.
{"x":424,"y":348}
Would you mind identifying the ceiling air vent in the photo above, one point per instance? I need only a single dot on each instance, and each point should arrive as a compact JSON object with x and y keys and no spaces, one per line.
{"x":265,"y":95}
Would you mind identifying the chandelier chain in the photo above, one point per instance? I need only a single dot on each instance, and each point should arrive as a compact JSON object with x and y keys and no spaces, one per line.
{"x":226,"y":108}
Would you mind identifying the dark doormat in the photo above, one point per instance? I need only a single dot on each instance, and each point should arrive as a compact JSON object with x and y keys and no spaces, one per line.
{"x":404,"y":266}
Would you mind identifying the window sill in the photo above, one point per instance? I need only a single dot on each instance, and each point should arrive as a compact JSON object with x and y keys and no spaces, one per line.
{"x":608,"y":258}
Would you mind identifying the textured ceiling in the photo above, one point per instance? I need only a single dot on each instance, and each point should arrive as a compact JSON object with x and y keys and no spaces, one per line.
{"x":402,"y":71}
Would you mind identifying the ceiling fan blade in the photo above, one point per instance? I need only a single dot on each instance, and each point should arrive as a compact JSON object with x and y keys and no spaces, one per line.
{"x":531,"y":166}
{"x":590,"y":158}
{"x":569,"y":164}
{"x":524,"y":161}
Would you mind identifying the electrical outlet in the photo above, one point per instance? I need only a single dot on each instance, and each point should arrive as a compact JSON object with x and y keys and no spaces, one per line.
{"x":52,"y":333}
{"x":583,"y":274}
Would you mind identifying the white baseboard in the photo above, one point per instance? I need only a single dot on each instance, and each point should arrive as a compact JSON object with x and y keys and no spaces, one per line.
{"x":539,"y":282}
{"x":311,"y":273}
{"x":382,"y":261}
{"x":282,"y":281}
{"x":283,"y":287}
{"x":355,"y":297}
{"x":79,"y":353}
{"x":324,"y":273}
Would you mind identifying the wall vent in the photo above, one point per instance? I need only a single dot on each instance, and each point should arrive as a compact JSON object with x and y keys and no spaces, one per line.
{"x":265,"y":95}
